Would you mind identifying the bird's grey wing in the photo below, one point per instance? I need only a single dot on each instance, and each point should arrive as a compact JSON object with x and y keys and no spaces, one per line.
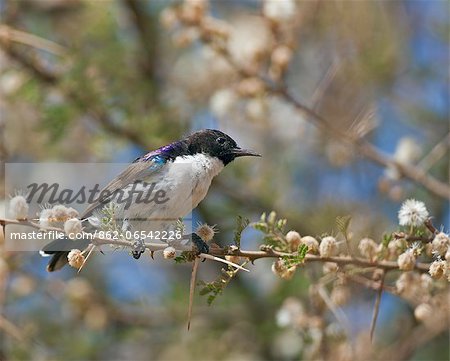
{"x":134,"y":172}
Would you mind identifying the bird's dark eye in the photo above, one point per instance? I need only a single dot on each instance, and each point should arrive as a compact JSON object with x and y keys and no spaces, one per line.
{"x":221,"y":140}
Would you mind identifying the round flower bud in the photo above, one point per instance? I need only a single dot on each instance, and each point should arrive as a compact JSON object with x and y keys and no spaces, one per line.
{"x":281,"y":56}
{"x":289,"y":273}
{"x":169,"y":253}
{"x":46,"y":217}
{"x":59,"y":213}
{"x":423,"y":312}
{"x":407,"y":260}
{"x":440,"y":243}
{"x":368,"y":248}
{"x":75,"y":258}
{"x":279,"y":269}
{"x":311,"y":242}
{"x":328,"y":247}
{"x":272,"y":217}
{"x":18,"y":207}
{"x":437,"y":269}
{"x":72,"y":227}
{"x":205,"y":232}
{"x":293,"y":239}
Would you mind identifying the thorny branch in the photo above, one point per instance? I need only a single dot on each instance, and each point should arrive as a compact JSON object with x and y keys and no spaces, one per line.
{"x":251,"y":255}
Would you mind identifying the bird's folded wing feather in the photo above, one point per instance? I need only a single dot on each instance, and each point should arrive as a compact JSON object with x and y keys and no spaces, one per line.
{"x":134,"y":172}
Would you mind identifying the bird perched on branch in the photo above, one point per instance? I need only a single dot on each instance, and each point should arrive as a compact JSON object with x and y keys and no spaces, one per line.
{"x":181,"y":172}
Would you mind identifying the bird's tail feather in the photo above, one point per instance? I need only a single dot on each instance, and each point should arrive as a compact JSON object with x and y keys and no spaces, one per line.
{"x":59,"y":250}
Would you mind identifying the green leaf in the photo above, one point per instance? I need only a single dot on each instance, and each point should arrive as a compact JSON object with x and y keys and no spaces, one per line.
{"x":342,"y":224}
{"x":386,"y":239}
{"x":241,"y":224}
{"x":298,"y":258}
{"x":182,"y":258}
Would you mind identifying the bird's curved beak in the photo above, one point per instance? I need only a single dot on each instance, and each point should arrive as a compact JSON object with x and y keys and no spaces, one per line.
{"x":238,"y":152}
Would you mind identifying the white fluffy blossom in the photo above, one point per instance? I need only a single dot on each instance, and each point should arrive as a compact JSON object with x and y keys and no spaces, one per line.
{"x":368,"y":248}
{"x":412,"y":213}
{"x":437,"y":269}
{"x":75,"y":258}
{"x":46,"y":218}
{"x":280,"y":269}
{"x":205,"y":232}
{"x":72,"y":227}
{"x":328,"y":247}
{"x":18,"y":207}
{"x":312,"y":243}
{"x":407,"y":260}
{"x":60,"y":212}
{"x":440,"y":243}
{"x":293,"y":238}
{"x":169,"y":253}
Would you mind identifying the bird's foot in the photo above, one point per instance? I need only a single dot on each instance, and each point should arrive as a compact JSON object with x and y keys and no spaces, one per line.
{"x":138,"y":248}
{"x":200,"y":244}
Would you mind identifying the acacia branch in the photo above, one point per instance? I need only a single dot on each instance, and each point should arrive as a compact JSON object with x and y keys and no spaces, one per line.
{"x":250,"y":254}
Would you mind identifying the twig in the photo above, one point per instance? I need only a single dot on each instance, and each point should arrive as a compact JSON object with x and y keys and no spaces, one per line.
{"x":11,"y":329}
{"x":435,"y":154}
{"x":192,"y":289}
{"x":7,"y":33}
{"x":429,"y":224}
{"x":337,"y":311}
{"x":377,"y":305}
{"x":213,"y":258}
{"x":91,"y":249}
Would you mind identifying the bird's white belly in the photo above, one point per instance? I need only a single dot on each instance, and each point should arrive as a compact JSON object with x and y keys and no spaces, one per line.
{"x":185,"y":182}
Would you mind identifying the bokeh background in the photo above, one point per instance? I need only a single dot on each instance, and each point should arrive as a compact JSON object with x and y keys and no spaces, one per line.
{"x":105,"y":81}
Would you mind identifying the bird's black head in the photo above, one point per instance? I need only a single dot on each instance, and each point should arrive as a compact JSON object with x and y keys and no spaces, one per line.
{"x":217,"y":144}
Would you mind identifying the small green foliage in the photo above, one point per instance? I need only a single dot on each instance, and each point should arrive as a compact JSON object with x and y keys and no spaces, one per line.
{"x":179,"y":226}
{"x":342,"y":224}
{"x":297,"y":258}
{"x":273,"y":230}
{"x":387,"y":237}
{"x":260,"y":226}
{"x":216,"y":287}
{"x":185,"y":257}
{"x":181,"y":258}
{"x":241,"y":224}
